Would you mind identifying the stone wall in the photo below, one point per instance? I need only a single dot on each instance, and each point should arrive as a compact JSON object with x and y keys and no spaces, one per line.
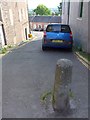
{"x":15,"y":20}
{"x":79,"y":25}
{"x":89,"y":27}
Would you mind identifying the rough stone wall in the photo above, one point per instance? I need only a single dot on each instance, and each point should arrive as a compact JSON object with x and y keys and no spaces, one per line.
{"x":89,"y":27}
{"x":15,"y":32}
{"x":9,"y":29}
{"x":24,"y":23}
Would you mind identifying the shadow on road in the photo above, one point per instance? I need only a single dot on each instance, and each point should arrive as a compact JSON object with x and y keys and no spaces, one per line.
{"x":57,"y":50}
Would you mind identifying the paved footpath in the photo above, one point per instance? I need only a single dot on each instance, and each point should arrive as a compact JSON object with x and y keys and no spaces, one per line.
{"x":28,"y":72}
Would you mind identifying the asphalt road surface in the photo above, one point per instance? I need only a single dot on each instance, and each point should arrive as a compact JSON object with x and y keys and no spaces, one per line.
{"x":28,"y":72}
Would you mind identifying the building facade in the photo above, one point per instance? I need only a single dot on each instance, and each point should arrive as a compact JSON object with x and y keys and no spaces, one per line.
{"x":15,"y":24}
{"x":40,"y":22}
{"x":76,"y":14}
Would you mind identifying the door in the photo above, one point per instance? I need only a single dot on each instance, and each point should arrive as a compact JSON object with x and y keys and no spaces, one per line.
{"x":2,"y":35}
{"x":26,"y":33}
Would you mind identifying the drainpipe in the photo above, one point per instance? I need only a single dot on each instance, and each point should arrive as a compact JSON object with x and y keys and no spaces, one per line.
{"x":68,"y":11}
{"x":5,"y":41}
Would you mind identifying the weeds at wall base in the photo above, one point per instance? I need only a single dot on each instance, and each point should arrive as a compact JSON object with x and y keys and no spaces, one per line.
{"x":82,"y":53}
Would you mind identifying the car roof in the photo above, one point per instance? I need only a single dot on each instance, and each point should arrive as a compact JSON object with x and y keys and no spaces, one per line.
{"x":58,"y":24}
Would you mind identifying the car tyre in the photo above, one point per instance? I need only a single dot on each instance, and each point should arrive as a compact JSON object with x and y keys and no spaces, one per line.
{"x":43,"y":48}
{"x":70,"y":49}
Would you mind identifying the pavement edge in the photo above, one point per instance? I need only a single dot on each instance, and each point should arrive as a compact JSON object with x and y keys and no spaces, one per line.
{"x":84,"y":61}
{"x":18,"y":46}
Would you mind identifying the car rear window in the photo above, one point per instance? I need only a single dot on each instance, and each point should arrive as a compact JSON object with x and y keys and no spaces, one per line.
{"x":65,"y":28}
{"x":58,"y":28}
{"x":53,"y":28}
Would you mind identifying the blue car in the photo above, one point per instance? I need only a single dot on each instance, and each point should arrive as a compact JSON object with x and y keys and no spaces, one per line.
{"x":57,"y":36}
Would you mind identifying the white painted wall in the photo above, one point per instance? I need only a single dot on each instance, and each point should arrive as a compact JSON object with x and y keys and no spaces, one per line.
{"x":78,"y":25}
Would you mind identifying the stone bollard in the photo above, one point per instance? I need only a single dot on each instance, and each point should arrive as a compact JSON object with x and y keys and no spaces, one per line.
{"x":63,"y":76}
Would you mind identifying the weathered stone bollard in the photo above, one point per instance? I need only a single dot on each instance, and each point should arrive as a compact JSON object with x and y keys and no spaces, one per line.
{"x":63,"y":76}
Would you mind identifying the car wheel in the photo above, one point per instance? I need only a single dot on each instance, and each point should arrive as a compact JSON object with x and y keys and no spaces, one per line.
{"x":43,"y":48}
{"x":70,"y":49}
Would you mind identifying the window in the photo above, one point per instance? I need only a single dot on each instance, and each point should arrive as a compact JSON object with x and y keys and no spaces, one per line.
{"x":45,"y":26}
{"x":26,"y":14}
{"x":65,"y":29}
{"x":23,"y":13}
{"x":34,"y":26}
{"x":58,"y":28}
{"x":16,"y":4}
{"x":53,"y":28}
{"x":20,"y":18}
{"x":39,"y":26}
{"x":11,"y":16}
{"x":81,"y":9}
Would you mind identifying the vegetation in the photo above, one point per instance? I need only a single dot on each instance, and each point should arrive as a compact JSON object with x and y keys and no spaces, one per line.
{"x":31,"y":12}
{"x":42,"y":10}
{"x":60,"y":8}
{"x":45,"y":95}
{"x":9,"y":46}
{"x":82,"y":53}
{"x":85,"y":55}
{"x":3,"y":50}
{"x":71,"y":94}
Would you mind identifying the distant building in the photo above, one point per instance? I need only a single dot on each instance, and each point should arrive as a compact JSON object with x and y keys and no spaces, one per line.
{"x":77,"y":15}
{"x":14,"y":26}
{"x":40,"y":22}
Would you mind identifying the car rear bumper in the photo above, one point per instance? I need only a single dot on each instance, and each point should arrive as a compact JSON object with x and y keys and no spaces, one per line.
{"x":54,"y":45}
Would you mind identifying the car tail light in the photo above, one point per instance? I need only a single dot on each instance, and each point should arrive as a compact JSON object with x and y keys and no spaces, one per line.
{"x":70,"y":34}
{"x":44,"y":34}
{"x":45,"y":41}
{"x":70,"y":43}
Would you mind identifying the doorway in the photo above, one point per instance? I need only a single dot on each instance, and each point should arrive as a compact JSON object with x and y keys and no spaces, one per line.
{"x":26,"y":33}
{"x":5,"y":42}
